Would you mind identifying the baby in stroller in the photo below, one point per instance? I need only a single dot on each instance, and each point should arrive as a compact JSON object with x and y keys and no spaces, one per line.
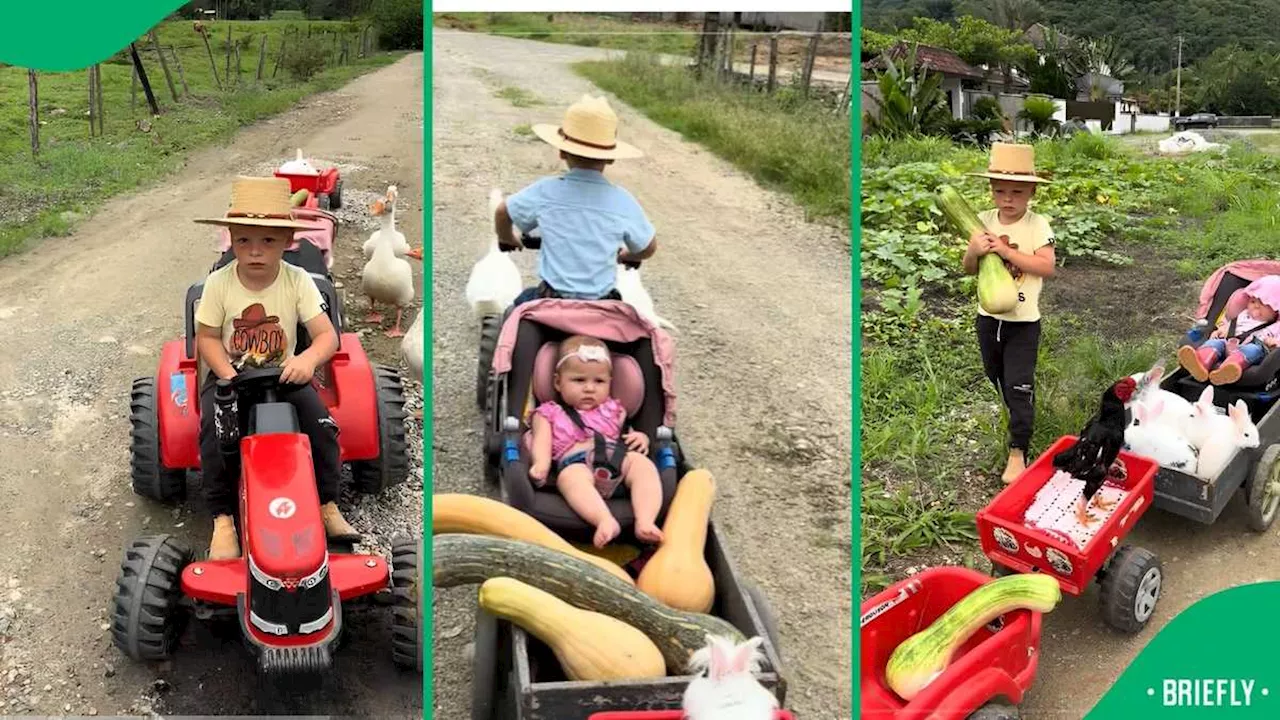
{"x":588,"y":425}
{"x":1239,"y":341}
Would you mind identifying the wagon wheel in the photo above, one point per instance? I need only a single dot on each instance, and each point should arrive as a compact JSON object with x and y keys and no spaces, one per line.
{"x":490,"y":328}
{"x":1131,"y":588}
{"x":335,"y":198}
{"x":999,"y":571}
{"x":484,"y":664}
{"x":996,"y":711}
{"x":1263,"y":493}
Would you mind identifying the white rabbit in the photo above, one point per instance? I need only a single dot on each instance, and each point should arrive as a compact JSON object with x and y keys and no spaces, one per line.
{"x":728,"y":690}
{"x":1177,"y":411}
{"x":1226,"y":435}
{"x":1149,"y":437}
{"x":1204,"y":416}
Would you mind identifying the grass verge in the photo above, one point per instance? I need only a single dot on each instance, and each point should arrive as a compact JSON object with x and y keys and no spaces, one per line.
{"x":783,"y":141}
{"x":577,"y":29}
{"x":73,"y":174}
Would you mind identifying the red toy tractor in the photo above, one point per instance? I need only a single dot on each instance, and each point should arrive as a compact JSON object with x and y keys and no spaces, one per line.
{"x":289,"y":587}
{"x":325,"y":188}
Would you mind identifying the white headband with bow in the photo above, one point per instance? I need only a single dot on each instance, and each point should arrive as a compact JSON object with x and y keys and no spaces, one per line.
{"x":588,"y":353}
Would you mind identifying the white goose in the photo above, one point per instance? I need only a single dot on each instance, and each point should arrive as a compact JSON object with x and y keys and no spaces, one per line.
{"x":411,"y":350}
{"x":495,"y":280}
{"x":385,"y":210}
{"x":634,"y":294}
{"x":388,"y":279}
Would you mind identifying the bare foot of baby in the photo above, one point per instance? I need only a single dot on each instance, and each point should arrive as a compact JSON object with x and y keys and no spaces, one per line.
{"x":606,"y":531}
{"x":648,"y":532}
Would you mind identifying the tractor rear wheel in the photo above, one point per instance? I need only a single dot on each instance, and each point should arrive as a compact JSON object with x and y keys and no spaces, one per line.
{"x":147,"y":615}
{"x":391,"y":467}
{"x":151,"y":479}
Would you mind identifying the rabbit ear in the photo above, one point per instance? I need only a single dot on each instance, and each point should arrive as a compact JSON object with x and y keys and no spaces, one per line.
{"x":1154,"y":375}
{"x":744,"y":654}
{"x":1206,"y":396}
{"x":1140,"y":412}
{"x":1157,"y":407}
{"x":721,"y":659}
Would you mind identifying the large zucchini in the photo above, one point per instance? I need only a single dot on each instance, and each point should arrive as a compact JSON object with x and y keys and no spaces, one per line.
{"x":459,"y":513}
{"x":997,"y":292}
{"x":473,"y":559}
{"x":924,"y":656}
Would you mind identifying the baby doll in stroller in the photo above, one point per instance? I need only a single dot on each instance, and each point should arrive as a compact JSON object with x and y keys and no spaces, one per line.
{"x":1244,"y":298}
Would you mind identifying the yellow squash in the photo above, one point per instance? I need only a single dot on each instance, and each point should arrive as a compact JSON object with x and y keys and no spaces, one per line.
{"x":678,"y":575}
{"x":475,"y":515}
{"x":590,"y":646}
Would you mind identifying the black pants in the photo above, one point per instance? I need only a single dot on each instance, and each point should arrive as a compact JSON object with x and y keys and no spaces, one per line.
{"x":222,"y":473}
{"x":1009,"y":358}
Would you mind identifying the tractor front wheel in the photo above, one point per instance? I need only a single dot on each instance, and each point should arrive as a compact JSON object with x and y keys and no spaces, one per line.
{"x":407,"y":583}
{"x":147,"y":615}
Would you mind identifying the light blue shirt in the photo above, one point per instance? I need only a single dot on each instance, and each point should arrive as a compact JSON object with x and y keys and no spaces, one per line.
{"x":584,"y":220}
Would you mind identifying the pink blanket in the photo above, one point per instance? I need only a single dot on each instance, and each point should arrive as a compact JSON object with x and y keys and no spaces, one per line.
{"x":609,"y":320}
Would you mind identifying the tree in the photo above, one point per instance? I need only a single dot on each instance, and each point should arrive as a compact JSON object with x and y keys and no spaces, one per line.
{"x":1016,"y":15}
{"x":1039,"y":112}
{"x":1236,"y":81}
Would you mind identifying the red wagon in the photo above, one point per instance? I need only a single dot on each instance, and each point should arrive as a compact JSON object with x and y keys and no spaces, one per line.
{"x":325,"y":188}
{"x":1130,"y":577}
{"x":990,"y":673}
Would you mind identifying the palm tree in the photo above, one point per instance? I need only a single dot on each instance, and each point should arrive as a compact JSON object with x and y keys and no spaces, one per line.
{"x":911,"y":100}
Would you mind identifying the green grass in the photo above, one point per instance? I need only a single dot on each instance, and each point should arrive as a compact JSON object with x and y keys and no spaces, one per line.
{"x":578,"y":29}
{"x":524,"y":130}
{"x":518,"y":97}
{"x":786,"y":143}
{"x":44,"y":197}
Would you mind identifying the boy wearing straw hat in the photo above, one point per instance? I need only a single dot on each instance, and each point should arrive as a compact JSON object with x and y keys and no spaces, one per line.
{"x":248,"y":318}
{"x":1009,"y":342}
{"x":588,"y":224}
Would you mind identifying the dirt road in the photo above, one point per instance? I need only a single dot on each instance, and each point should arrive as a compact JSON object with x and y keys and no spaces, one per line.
{"x":762,"y":302}
{"x":81,"y":317}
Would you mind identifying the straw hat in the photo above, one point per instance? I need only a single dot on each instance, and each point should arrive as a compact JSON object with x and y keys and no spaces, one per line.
{"x":258,"y":201}
{"x":1015,"y":163}
{"x":590,"y":130}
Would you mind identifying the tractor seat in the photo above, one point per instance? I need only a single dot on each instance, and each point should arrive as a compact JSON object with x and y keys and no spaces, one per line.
{"x":545,"y":503}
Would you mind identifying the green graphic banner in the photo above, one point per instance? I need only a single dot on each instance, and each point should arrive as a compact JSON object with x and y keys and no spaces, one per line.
{"x":1220,"y":658}
{"x":74,"y":34}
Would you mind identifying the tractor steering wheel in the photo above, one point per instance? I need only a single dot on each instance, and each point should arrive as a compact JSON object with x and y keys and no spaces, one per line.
{"x":264,"y":381}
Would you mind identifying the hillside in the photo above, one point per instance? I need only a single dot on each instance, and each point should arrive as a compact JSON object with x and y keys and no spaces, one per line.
{"x":1147,"y":28}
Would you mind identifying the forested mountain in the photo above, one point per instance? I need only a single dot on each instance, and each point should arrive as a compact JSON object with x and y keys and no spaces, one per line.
{"x":1146,"y":29}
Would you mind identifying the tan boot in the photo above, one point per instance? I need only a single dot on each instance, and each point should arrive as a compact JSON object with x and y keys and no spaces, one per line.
{"x":336,"y":526}
{"x":1015,"y":467}
{"x":224,"y":545}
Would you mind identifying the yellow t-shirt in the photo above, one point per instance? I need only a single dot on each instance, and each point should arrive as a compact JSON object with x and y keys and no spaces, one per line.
{"x":1027,"y":235}
{"x":259,"y":329}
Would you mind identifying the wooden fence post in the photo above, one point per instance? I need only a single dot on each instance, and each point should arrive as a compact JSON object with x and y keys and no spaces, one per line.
{"x":182,"y":76}
{"x":142,"y":77}
{"x":97,"y":85}
{"x":164,"y":65}
{"x":809,"y":57}
{"x":213,"y":65}
{"x":284,"y":40}
{"x":773,"y":64}
{"x":751,"y":74}
{"x":133,"y":89}
{"x":239,"y":67}
{"x":33,"y":111}
{"x":226,"y":72}
{"x":93,"y":103}
{"x":262,"y":56}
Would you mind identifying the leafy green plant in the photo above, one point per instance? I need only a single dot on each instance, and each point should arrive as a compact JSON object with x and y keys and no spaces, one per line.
{"x":1039,"y":112}
{"x":304,"y":62}
{"x":911,"y":100}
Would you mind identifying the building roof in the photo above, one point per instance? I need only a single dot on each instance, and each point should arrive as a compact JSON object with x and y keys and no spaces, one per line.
{"x":930,"y":58}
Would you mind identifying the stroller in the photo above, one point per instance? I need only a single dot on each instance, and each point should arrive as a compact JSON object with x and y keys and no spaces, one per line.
{"x":1252,"y":471}
{"x":522,"y":368}
{"x":1223,"y":297}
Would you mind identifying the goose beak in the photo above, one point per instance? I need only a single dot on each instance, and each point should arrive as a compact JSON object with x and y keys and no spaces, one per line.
{"x":415,"y":253}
